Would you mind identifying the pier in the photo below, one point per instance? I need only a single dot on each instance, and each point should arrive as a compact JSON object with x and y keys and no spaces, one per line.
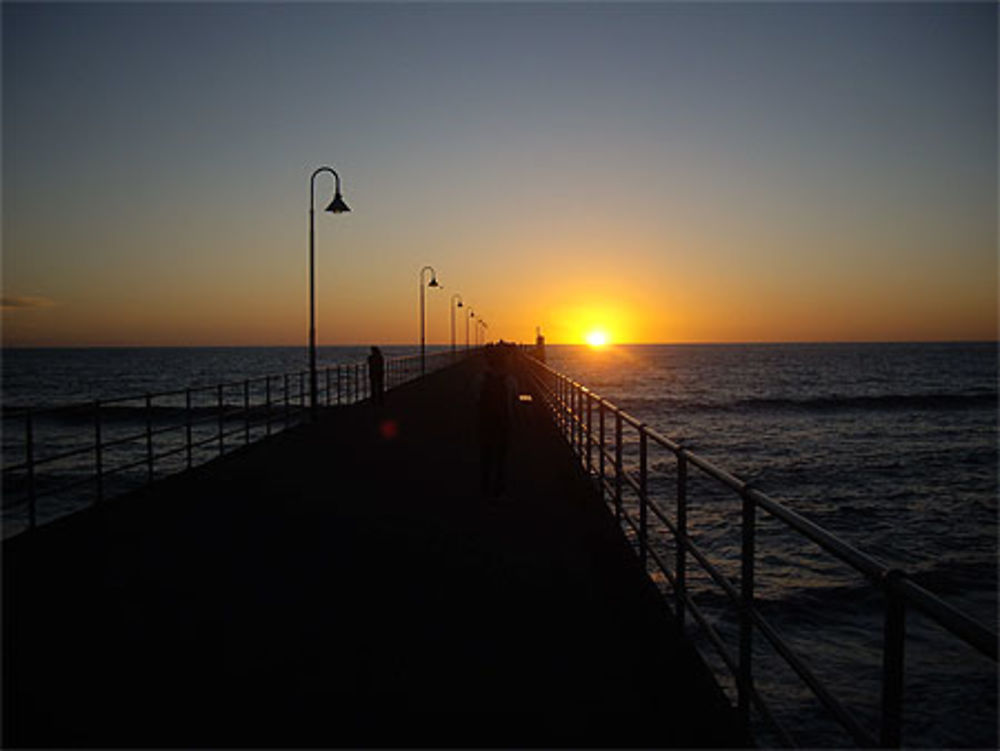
{"x":346,"y":583}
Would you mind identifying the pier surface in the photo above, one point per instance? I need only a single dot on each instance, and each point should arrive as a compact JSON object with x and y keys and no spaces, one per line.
{"x":345,"y":584}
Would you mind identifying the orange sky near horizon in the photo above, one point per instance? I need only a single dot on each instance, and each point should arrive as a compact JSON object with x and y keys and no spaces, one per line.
{"x":660,"y":172}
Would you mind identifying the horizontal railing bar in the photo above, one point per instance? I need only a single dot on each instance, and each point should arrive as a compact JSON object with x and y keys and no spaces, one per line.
{"x":663,"y":440}
{"x":628,"y":518}
{"x":161,"y":431}
{"x":953,"y":620}
{"x":54,"y":458}
{"x":712,"y":634}
{"x":8,"y":505}
{"x":214,"y":438}
{"x":609,"y":487}
{"x":662,"y":566}
{"x":857,"y":731}
{"x":631,"y":481}
{"x":120,"y":441}
{"x":713,"y":471}
{"x":720,"y":647}
{"x":863,"y":563}
{"x":170,"y":452}
{"x":717,"y":576}
{"x":662,"y":516}
{"x":123,"y":467}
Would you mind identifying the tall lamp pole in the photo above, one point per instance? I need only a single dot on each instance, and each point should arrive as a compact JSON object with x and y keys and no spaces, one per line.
{"x":472,"y":314}
{"x":432,"y":283}
{"x":482,"y":323}
{"x":337,"y":206}
{"x":453,"y":306}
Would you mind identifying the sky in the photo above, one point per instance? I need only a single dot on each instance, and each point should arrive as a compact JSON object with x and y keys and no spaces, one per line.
{"x":661,"y":172}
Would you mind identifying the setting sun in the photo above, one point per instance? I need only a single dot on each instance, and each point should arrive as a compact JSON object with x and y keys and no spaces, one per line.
{"x":597,"y":338}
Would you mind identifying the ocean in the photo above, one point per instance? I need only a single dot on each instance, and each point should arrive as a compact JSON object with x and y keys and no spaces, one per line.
{"x":892,"y":447}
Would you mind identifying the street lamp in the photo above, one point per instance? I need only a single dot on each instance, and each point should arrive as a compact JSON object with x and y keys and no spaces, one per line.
{"x":337,"y":206}
{"x":453,"y":306}
{"x":472,"y":314}
{"x":432,"y":283}
{"x":482,"y":323}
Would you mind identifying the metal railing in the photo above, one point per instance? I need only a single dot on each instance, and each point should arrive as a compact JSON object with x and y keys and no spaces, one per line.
{"x":593,"y":425}
{"x":74,"y":455}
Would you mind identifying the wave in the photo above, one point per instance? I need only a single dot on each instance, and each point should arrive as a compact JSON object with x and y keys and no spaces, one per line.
{"x":833,"y":403}
{"x":891,"y":402}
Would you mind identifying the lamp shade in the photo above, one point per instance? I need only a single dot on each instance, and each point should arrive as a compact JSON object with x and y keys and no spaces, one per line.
{"x":433,"y":282}
{"x":337,"y":205}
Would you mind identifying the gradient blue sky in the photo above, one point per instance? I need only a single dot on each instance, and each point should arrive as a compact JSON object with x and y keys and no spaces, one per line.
{"x":665,"y":171}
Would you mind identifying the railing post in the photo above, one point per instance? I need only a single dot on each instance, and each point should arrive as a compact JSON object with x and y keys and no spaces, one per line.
{"x":187,"y":426}
{"x":680,"y":608}
{"x":357,"y":383}
{"x":571,"y":414}
{"x":328,"y":387}
{"x":149,"y":439}
{"x":561,"y":403}
{"x":221,"y":423}
{"x":600,"y":434}
{"x":892,"y":662}
{"x":578,"y":417}
{"x":288,"y":406}
{"x":748,"y":553}
{"x":573,"y":432}
{"x":643,"y":490}
{"x":267,"y":404}
{"x":618,"y":466}
{"x":29,"y":458}
{"x":588,"y":395}
{"x":246,"y":411}
{"x":338,"y":386}
{"x":98,"y":453}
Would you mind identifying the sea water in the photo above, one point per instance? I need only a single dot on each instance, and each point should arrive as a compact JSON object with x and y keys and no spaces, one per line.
{"x":892,"y":447}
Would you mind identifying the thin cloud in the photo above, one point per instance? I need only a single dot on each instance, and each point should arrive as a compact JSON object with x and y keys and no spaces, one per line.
{"x":25,"y":303}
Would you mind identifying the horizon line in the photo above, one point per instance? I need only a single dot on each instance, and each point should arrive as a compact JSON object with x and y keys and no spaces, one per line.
{"x":458,"y":347}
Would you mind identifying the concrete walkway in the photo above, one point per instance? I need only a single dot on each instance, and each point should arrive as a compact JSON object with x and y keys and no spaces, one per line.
{"x":344,"y":584}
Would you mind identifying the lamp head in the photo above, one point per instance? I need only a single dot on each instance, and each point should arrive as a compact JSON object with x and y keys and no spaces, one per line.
{"x":337,"y":205}
{"x":433,"y":282}
{"x":459,"y":304}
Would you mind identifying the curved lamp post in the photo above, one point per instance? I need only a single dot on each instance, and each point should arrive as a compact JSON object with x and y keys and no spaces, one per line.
{"x":337,"y":206}
{"x":453,"y":306}
{"x":482,"y":339}
{"x":432,"y":283}
{"x":472,"y":314}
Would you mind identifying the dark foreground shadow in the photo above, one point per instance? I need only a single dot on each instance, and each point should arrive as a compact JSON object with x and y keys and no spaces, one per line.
{"x":346,"y":584}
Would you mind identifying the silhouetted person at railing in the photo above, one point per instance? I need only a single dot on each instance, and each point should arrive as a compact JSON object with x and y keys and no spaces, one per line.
{"x":496,"y":412}
{"x":376,"y":376}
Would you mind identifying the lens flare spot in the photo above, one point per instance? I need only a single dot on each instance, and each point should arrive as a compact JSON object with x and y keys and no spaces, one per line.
{"x":388,"y":429}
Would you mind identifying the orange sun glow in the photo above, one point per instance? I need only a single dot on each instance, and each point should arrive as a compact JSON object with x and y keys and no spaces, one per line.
{"x":597,"y":338}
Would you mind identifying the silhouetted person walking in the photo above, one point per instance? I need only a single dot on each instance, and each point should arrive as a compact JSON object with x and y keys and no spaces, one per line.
{"x":496,"y":396}
{"x":376,"y":376}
